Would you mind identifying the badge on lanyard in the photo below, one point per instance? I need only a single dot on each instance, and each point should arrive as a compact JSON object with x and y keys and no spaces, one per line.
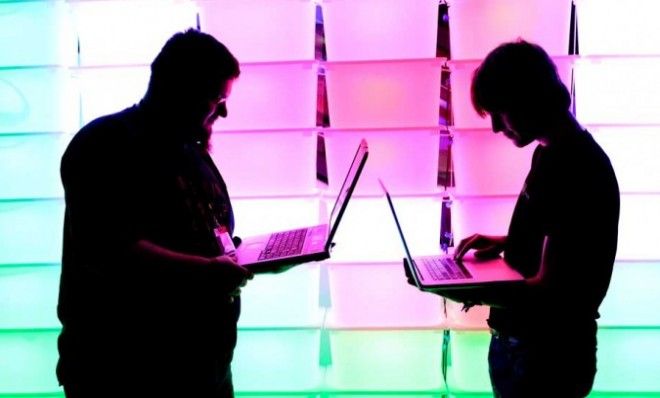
{"x":224,"y":240}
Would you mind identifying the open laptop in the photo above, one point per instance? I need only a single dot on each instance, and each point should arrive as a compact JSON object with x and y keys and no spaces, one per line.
{"x":271,"y":252}
{"x":436,"y":273}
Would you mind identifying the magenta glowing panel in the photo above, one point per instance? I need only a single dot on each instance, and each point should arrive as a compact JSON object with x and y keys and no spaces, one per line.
{"x":262,"y":30}
{"x":380,"y":29}
{"x":478,"y":26}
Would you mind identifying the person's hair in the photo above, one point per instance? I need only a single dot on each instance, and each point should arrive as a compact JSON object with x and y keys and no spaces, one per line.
{"x":518,"y":76}
{"x":191,"y":63}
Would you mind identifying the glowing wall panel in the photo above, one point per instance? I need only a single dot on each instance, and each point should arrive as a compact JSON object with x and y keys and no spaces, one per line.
{"x":277,"y":360}
{"x":383,"y":94}
{"x":272,"y":96}
{"x":461,"y":79}
{"x":109,"y":90}
{"x":406,"y":160}
{"x":478,"y":26}
{"x":37,"y":100}
{"x":486,"y":215}
{"x":618,"y":90}
{"x":29,"y":297}
{"x":367,"y":232}
{"x":378,"y":296}
{"x":488,"y":164}
{"x":473,"y":319}
{"x":633,"y":153}
{"x":468,"y":367}
{"x":633,"y":298}
{"x":391,"y":360}
{"x":288,"y":299}
{"x":262,"y":30}
{"x":27,"y":362}
{"x":640,"y":216}
{"x":264,"y":215}
{"x":380,"y":29}
{"x":145,"y":26}
{"x":36,"y":33}
{"x":608,"y":27}
{"x":31,"y":231}
{"x":266,"y":163}
{"x":30,"y":166}
{"x":628,"y":360}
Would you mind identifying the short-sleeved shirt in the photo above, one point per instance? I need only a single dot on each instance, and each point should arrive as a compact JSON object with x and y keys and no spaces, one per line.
{"x":570,"y":195}
{"x":127,"y":177}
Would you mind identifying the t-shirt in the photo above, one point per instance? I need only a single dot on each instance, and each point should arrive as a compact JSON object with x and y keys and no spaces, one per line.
{"x":571,"y":195}
{"x":128,"y":177}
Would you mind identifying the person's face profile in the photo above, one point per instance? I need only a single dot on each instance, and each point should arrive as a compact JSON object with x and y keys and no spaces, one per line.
{"x":513,"y":125}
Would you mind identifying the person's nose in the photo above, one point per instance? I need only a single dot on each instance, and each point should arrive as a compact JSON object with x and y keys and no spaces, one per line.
{"x":496,"y":122}
{"x":221,"y":109}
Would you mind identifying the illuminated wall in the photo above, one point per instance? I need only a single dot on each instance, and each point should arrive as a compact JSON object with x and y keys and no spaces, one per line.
{"x":348,"y":326}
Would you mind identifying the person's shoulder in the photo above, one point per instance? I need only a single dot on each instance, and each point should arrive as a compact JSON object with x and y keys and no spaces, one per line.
{"x":104,"y":131}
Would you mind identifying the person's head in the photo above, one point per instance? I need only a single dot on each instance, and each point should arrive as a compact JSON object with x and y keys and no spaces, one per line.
{"x":518,"y":85}
{"x":191,"y":78}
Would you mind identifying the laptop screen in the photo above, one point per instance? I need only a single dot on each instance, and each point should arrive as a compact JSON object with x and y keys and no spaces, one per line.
{"x":347,"y":188}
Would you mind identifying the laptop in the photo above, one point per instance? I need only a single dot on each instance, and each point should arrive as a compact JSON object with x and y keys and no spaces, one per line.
{"x":277,"y":250}
{"x":442,"y":272}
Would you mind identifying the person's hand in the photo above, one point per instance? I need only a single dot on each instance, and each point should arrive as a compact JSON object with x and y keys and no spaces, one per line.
{"x":233,"y":276}
{"x":485,"y":246}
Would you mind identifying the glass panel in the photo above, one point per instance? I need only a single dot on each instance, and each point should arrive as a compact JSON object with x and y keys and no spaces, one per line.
{"x":638,"y":223}
{"x":367,"y":232}
{"x":486,"y":215}
{"x":380,"y":29}
{"x":610,"y":27}
{"x":489,"y":164}
{"x":277,"y":360}
{"x":262,"y":30}
{"x":272,"y":96}
{"x":31,"y":231}
{"x":384,"y":94}
{"x":30,"y":165}
{"x":37,"y":100}
{"x":27,"y":362}
{"x":478,"y":26}
{"x":618,"y":90}
{"x":378,"y":295}
{"x":36,"y":33}
{"x":393,"y":360}
{"x":633,"y":298}
{"x":29,"y":297}
{"x":406,"y":160}
{"x":468,"y":369}
{"x":145,"y":27}
{"x":109,"y":90}
{"x":260,"y":216}
{"x":288,"y":299}
{"x":267,"y":163}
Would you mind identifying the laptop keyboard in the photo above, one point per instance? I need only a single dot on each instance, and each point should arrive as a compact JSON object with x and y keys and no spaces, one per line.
{"x":445,"y":268}
{"x":283,"y":244}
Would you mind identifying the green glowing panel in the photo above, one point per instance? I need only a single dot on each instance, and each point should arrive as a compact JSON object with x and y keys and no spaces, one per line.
{"x":468,"y":369}
{"x":29,"y":297}
{"x":277,"y":360}
{"x":633,"y":298}
{"x":27,"y":362}
{"x":36,"y":33}
{"x":628,"y":360}
{"x":30,"y":166}
{"x":37,"y":100}
{"x":394,"y":360}
{"x":31,"y":231}
{"x":288,"y":299}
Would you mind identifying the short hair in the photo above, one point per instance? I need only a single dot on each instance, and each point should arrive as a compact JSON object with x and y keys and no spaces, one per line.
{"x":518,"y":76}
{"x":191,"y":63}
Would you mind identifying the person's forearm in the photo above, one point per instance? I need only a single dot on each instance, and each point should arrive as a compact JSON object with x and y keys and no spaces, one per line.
{"x":153,"y":253}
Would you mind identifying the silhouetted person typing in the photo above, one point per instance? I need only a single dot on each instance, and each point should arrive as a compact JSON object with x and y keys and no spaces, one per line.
{"x":562,"y":236}
{"x":149,"y":299}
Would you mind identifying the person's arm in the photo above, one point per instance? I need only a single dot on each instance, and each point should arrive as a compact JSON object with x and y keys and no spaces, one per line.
{"x":231,"y":275}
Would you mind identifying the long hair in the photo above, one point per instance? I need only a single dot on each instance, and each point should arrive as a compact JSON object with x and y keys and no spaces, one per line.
{"x":518,"y":75}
